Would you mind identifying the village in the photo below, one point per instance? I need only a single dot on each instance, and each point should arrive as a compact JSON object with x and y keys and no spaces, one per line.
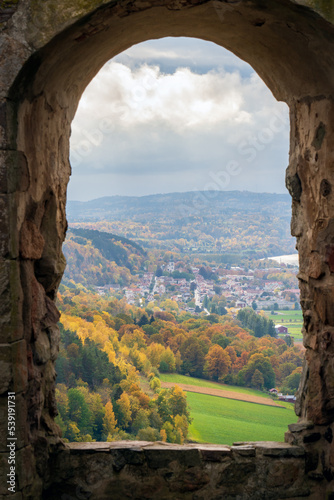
{"x":233,"y":288}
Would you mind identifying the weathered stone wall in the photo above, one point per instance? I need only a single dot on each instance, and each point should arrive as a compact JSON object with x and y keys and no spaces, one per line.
{"x":141,"y":470}
{"x":310,"y":180}
{"x":49,"y":51}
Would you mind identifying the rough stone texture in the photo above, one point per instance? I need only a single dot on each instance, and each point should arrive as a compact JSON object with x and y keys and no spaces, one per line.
{"x":49,"y":52}
{"x":143,"y":470}
{"x":31,"y":241}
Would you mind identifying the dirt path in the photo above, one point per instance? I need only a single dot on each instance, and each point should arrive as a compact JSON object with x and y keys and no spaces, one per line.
{"x":224,"y":394}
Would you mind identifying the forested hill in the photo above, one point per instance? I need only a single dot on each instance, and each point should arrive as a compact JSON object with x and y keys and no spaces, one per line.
{"x":112,"y":246}
{"x":252,"y":225}
{"x":180,"y":205}
{"x":98,"y":258}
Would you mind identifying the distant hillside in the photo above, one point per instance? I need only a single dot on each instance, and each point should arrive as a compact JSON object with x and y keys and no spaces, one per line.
{"x":98,"y":258}
{"x":179,"y":205}
{"x":253,"y":225}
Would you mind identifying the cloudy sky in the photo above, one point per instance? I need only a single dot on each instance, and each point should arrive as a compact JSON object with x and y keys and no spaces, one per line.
{"x":177,"y":115}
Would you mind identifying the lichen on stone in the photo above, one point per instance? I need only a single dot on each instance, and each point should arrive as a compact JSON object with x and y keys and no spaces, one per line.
{"x":47,"y":18}
{"x":323,"y":7}
{"x":4,"y":4}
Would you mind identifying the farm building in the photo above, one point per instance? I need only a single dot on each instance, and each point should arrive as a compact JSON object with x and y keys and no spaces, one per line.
{"x":281,"y":329}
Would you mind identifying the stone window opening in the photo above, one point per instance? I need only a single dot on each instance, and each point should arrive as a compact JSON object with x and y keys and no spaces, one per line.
{"x":96,"y":122}
{"x":51,"y":53}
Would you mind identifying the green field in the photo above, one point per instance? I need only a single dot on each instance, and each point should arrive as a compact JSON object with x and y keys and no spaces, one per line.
{"x":175,"y":378}
{"x":224,"y":421}
{"x":293,"y":320}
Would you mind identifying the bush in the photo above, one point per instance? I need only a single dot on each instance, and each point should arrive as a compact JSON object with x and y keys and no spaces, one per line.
{"x":155,"y":384}
{"x":229,"y":379}
{"x":148,"y":434}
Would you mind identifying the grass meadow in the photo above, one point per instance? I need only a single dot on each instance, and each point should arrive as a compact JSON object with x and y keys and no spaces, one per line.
{"x":175,"y":378}
{"x":293,"y":320}
{"x":224,"y":421}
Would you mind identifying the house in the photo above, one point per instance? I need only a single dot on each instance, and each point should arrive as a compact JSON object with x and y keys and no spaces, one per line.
{"x":171,"y":267}
{"x":288,"y":398}
{"x":281,"y":329}
{"x":241,"y":304}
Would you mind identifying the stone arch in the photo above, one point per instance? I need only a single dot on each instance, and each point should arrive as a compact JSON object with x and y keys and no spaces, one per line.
{"x":50,"y":52}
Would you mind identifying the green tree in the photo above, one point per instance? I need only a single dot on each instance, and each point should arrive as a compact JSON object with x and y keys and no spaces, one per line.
{"x":261,"y":363}
{"x":172,"y":402}
{"x":167,"y":361}
{"x":148,"y":434}
{"x":78,"y":411}
{"x":257,"y":380}
{"x":141,"y":421}
{"x":159,"y":272}
{"x":291,"y":382}
{"x":193,"y":353}
{"x":220,"y":339}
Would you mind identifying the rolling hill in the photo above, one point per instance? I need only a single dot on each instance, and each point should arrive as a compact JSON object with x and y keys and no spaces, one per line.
{"x":97,"y":258}
{"x":254,"y":225}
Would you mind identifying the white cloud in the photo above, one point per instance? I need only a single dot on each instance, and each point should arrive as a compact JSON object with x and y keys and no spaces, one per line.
{"x":182,"y":100}
{"x":138,"y":125}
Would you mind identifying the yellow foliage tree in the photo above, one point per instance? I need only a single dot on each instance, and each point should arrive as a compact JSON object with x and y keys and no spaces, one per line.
{"x":125,"y":408}
{"x":163,"y":435}
{"x":109,"y":420}
{"x":217,"y":363}
{"x":154,"y":353}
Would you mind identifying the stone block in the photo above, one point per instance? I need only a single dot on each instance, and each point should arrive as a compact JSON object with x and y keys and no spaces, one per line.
{"x":52,"y":315}
{"x":4,"y":225}
{"x":191,"y":479}
{"x":14,"y":174}
{"x":301,"y":426}
{"x":42,"y":349}
{"x":4,"y":470}
{"x":161,"y":456}
{"x":88,"y":448}
{"x":8,"y":226}
{"x":20,"y":369}
{"x":212,"y":453}
{"x":11,"y":327}
{"x":286,"y":473}
{"x":31,"y":241}
{"x":25,"y":462}
{"x":324,"y":301}
{"x":21,"y":427}
{"x":38,"y":306}
{"x":49,"y":373}
{"x":53,"y":333}
{"x":315,"y":266}
{"x":236,"y":474}
{"x":8,"y":124}
{"x":133,"y":456}
{"x":244,"y":451}
{"x":280,"y":450}
{"x":6,"y":367}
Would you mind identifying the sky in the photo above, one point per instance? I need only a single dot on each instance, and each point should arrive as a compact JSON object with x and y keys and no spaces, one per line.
{"x":176,"y":115}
